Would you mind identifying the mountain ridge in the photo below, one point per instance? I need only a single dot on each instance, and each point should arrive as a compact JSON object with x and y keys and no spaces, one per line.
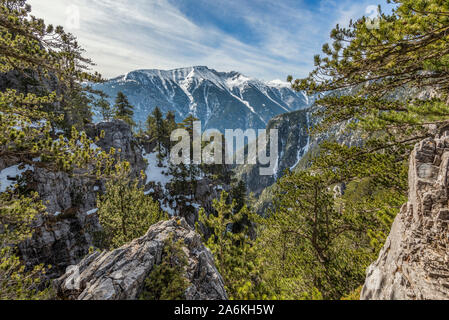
{"x":221,"y":100}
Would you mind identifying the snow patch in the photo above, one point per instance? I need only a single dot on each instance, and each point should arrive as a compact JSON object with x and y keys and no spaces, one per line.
{"x":168,"y":209}
{"x":149,"y":191}
{"x":196,"y":206}
{"x":90,"y":212}
{"x":9,"y":176}
{"x":238,"y":81}
{"x":302,"y":151}
{"x":155,"y":173}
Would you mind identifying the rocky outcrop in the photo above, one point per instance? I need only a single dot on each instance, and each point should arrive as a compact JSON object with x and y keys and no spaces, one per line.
{"x":414,"y":263}
{"x":120,"y":274}
{"x":118,"y":135}
{"x":64,"y":236}
{"x":59,"y":241}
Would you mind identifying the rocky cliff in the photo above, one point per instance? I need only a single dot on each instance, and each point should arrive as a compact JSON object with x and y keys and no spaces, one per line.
{"x":292,"y":145}
{"x":64,"y":236}
{"x":297,"y":145}
{"x":121,"y":273}
{"x":414,"y":263}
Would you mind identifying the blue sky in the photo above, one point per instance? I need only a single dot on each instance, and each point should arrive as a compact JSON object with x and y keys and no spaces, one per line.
{"x":260,"y":38}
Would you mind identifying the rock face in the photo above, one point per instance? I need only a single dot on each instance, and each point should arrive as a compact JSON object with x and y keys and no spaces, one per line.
{"x":414,"y":263}
{"x":64,"y":236}
{"x":293,"y":144}
{"x":120,"y":274}
{"x":59,"y":241}
{"x":119,"y":135}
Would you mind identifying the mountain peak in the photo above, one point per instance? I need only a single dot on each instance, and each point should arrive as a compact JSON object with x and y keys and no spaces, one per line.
{"x":279,"y":83}
{"x":221,"y":100}
{"x":201,"y":68}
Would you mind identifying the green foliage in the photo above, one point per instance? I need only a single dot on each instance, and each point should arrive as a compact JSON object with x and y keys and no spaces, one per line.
{"x":236,"y":255}
{"x":49,"y":59}
{"x":106,"y":110}
{"x":376,"y":207}
{"x":125,"y":211}
{"x":157,"y":129}
{"x":187,"y":124}
{"x":170,"y":123}
{"x":311,"y":245}
{"x":167,"y":281}
{"x":123,"y":109}
{"x":49,"y":67}
{"x":374,"y":80}
{"x":376,"y":76}
{"x":17,"y":283}
{"x":16,"y":216}
{"x":355,"y":295}
{"x":45,"y":54}
{"x":185,"y":175}
{"x":239,"y":195}
{"x":76,"y":109}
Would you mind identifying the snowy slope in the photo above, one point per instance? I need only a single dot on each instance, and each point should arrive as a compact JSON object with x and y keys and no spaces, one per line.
{"x":221,"y":100}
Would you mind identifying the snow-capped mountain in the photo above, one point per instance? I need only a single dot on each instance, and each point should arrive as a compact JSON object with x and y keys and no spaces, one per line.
{"x":221,"y":100}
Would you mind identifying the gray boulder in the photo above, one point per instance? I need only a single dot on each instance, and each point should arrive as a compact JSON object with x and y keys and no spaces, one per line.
{"x":414,"y":263}
{"x":120,"y":274}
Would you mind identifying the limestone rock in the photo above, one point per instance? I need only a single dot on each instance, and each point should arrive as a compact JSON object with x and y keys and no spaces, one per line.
{"x":293,"y":144}
{"x":120,"y":274}
{"x":414,"y":263}
{"x":64,"y":236}
{"x":118,"y":135}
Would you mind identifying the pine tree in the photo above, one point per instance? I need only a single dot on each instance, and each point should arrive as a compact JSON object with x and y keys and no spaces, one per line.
{"x":125,"y":212}
{"x":17,"y":213}
{"x":50,"y":70}
{"x":187,"y":124}
{"x":167,"y":281}
{"x":123,"y":109}
{"x":367,"y":70}
{"x":157,"y":131}
{"x":221,"y":173}
{"x":310,"y":245}
{"x":240,"y":198}
{"x":170,"y":125}
{"x":180,"y":190}
{"x":105,"y":109}
{"x":369,"y":81}
{"x":193,"y":169}
{"x":103,"y":106}
{"x":237,"y":256}
{"x":239,"y":195}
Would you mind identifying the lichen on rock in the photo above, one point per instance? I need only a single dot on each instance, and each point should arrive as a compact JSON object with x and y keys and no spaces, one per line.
{"x":120,"y":274}
{"x":414,"y":263}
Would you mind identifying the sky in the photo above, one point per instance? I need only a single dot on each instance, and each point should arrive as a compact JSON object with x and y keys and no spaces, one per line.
{"x":264,"y":39}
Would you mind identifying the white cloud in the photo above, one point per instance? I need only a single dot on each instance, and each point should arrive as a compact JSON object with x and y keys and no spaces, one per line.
{"x":124,"y":35}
